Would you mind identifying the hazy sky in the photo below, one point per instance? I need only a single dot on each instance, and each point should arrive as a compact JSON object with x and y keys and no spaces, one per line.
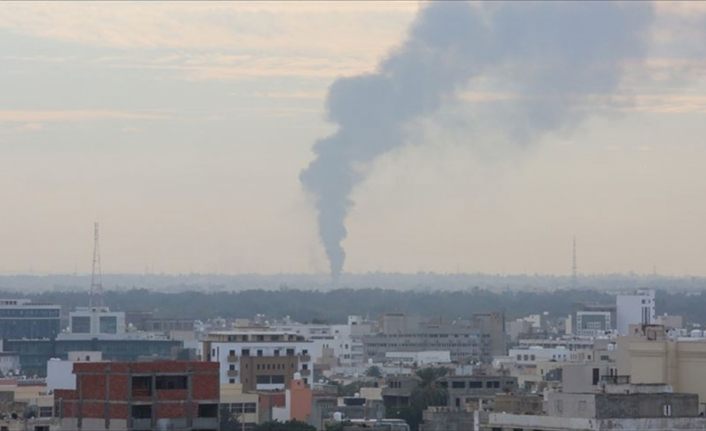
{"x":182,"y":128}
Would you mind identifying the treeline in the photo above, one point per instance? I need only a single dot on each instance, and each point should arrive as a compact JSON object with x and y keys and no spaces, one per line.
{"x":333,"y":306}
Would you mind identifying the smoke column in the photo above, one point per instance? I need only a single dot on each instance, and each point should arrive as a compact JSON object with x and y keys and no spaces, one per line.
{"x":554,"y":55}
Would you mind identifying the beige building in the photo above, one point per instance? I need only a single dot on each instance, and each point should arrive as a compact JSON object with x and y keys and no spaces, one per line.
{"x":241,"y":407}
{"x":650,"y":356}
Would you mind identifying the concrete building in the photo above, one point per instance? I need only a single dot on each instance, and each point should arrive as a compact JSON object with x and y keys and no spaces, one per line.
{"x":398,"y":390}
{"x":259,"y":359}
{"x":492,"y":326}
{"x":651,"y":356}
{"x":238,"y":409}
{"x":588,"y":319}
{"x":179,"y":396}
{"x":635,"y":309}
{"x":26,"y":405}
{"x":20,"y":318}
{"x":401,"y":333}
{"x":470,"y":390}
{"x":620,"y":407}
{"x":95,"y":321}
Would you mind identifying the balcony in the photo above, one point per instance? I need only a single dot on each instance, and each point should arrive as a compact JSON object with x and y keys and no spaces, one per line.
{"x":232,"y":373}
{"x":616,"y":380}
{"x":305,"y":373}
{"x":232,"y":358}
{"x":305,"y":358}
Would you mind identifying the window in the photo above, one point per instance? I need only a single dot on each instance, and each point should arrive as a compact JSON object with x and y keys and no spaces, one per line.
{"x":259,"y":352}
{"x":81,"y":325}
{"x":171,"y":382}
{"x":290,"y":352}
{"x":582,"y":406}
{"x":108,"y":324}
{"x":278,"y":379}
{"x":142,"y":386}
{"x":276,"y":352}
{"x":245,"y":352}
{"x":458,"y":385}
{"x":231,"y":381}
{"x":596,"y":376}
{"x":208,"y":410}
{"x":231,"y":367}
{"x":475,"y":384}
{"x":142,"y":411}
{"x":231,"y":353}
{"x":46,"y":412}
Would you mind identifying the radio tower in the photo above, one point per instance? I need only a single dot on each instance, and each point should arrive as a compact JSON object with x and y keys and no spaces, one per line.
{"x":96,"y":295}
{"x":574,"y":268}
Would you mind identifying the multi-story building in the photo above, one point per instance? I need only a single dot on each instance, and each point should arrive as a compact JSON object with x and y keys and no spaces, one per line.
{"x":636,"y":309}
{"x":653,"y":356}
{"x":400,"y":333}
{"x":92,"y":329}
{"x":593,"y":319}
{"x":468,"y":390}
{"x":259,"y":359}
{"x":625,"y":407}
{"x":20,"y":318}
{"x":170,"y":395}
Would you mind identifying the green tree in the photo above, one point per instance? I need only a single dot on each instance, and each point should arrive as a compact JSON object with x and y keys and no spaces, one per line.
{"x":373,"y":371}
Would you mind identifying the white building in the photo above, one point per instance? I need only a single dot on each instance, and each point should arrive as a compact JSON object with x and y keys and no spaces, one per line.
{"x":635,"y":309}
{"x":259,"y":358}
{"x":93,"y":321}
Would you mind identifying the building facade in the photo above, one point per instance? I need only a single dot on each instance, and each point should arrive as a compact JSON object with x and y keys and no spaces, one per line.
{"x":20,"y":318}
{"x":259,"y":359}
{"x":179,"y":396}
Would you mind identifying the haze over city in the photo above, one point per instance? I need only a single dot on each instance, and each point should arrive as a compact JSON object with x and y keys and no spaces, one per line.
{"x":184,"y":129}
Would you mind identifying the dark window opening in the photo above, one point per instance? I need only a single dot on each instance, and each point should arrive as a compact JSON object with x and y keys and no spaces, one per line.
{"x":171,"y":382}
{"x":142,"y":386}
{"x":142,"y":411}
{"x":208,"y":410}
{"x":596,"y":376}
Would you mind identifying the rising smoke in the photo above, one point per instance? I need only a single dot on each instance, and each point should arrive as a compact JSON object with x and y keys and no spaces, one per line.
{"x":554,"y":55}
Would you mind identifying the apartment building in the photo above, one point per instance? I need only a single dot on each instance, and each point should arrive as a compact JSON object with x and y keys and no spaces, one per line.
{"x":259,"y":359}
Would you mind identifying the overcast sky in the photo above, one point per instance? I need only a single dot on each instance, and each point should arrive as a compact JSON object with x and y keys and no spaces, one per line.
{"x":182,"y":128}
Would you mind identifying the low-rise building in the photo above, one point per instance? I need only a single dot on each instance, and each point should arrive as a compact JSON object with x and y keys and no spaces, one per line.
{"x":138,"y":396}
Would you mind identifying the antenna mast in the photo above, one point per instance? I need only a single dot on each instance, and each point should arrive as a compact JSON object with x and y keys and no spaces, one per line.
{"x":96,"y":296}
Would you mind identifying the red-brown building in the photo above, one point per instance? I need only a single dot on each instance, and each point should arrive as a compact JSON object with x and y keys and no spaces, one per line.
{"x":136,"y":396}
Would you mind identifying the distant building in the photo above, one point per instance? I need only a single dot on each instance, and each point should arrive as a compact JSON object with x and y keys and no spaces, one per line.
{"x":398,"y":390}
{"x":593,"y":319}
{"x":96,"y":330}
{"x":400,"y":333}
{"x":636,"y":309}
{"x":259,"y":359}
{"x":20,"y":318}
{"x":469,"y":390}
{"x":634,"y":408}
{"x":95,"y":321}
{"x":140,"y":396}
